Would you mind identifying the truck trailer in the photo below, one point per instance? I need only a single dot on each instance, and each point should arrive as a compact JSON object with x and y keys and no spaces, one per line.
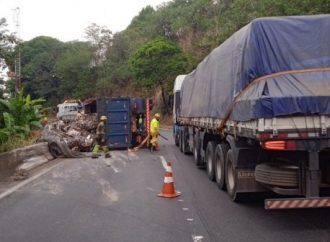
{"x":127,"y":120}
{"x":256,"y":112}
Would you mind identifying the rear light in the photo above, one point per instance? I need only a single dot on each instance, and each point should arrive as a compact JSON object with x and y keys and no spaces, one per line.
{"x":279,"y":145}
{"x":274,"y":145}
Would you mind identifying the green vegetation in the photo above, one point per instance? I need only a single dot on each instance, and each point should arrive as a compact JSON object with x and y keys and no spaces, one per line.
{"x":157,"y":63}
{"x":113,"y":64}
{"x":19,"y":116}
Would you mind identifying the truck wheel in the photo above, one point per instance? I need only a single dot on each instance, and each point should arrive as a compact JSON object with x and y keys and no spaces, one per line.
{"x":180,"y":141}
{"x":210,"y":164}
{"x":55,"y":150}
{"x":232,"y":178}
{"x":197,"y":153}
{"x":185,"y":149}
{"x":177,"y":140}
{"x":220,"y":153}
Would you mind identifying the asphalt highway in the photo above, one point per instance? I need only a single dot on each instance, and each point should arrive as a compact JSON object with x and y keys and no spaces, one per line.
{"x":116,"y":200}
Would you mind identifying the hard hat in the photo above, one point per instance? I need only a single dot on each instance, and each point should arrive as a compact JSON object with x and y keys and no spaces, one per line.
{"x":103,"y":118}
{"x":157,"y":115}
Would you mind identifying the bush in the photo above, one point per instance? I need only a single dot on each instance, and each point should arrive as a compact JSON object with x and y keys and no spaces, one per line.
{"x":19,"y":115}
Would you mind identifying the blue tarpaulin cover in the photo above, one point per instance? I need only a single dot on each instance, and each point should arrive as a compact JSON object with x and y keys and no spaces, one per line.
{"x":263,"y":47}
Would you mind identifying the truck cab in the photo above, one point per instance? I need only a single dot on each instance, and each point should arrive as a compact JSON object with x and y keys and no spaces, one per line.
{"x":176,"y":105}
{"x":68,"y":111}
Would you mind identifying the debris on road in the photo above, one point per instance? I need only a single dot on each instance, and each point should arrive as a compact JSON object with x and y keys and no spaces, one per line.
{"x":71,"y":137}
{"x":19,"y":175}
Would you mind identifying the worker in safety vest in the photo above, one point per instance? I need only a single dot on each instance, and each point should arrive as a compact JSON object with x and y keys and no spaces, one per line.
{"x":154,"y":131}
{"x":101,"y":139}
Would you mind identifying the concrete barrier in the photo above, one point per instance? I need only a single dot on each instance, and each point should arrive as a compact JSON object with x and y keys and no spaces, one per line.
{"x":9,"y":161}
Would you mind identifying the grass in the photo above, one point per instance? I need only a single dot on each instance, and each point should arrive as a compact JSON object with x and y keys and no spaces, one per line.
{"x":15,"y":142}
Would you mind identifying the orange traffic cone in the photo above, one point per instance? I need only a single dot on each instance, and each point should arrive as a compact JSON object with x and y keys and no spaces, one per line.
{"x":168,"y":190}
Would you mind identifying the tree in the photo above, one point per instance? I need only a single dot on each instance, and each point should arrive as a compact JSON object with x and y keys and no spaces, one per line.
{"x":6,"y":45}
{"x":10,"y":87}
{"x":73,"y":68}
{"x":2,"y":88}
{"x":100,"y":39}
{"x":54,"y":70}
{"x":115,"y":72}
{"x":38,"y":58}
{"x":157,"y":63}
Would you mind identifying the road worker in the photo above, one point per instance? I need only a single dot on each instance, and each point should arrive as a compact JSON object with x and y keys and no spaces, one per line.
{"x":154,"y":131}
{"x":101,"y":139}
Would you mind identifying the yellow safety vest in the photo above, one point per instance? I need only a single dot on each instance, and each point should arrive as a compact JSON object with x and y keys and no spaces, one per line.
{"x":154,"y":124}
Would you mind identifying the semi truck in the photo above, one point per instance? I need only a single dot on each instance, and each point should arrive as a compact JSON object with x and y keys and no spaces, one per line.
{"x":256,"y":112}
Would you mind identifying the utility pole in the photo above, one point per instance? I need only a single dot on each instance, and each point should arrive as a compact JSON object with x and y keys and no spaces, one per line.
{"x":18,"y":50}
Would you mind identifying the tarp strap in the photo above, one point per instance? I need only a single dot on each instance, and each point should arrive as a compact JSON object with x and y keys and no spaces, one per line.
{"x":263,"y":78}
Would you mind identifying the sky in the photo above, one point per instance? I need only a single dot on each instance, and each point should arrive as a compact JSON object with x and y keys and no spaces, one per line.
{"x":67,"y":20}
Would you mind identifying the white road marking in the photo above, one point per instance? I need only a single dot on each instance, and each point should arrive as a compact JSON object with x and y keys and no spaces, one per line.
{"x":163,"y":161}
{"x":125,"y":155}
{"x":122,"y":157}
{"x":190,"y":219}
{"x":133,"y":155}
{"x":150,"y":189}
{"x":185,"y":209}
{"x":180,"y":200}
{"x":197,"y":238}
{"x":24,"y":183}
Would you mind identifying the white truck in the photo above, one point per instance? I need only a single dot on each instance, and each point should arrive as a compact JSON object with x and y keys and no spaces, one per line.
{"x":256,"y":112}
{"x":68,"y":110}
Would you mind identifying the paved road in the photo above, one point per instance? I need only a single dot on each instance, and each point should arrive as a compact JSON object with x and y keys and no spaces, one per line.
{"x":115,"y":200}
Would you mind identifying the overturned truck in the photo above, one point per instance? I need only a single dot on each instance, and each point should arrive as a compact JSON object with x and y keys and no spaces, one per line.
{"x":256,"y":111}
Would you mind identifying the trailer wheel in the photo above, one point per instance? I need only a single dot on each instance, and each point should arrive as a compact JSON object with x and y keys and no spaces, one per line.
{"x":180,"y":141}
{"x":232,"y":178}
{"x":177,"y":139}
{"x":197,"y":153}
{"x":220,"y":154}
{"x":184,"y":144}
{"x":210,"y":164}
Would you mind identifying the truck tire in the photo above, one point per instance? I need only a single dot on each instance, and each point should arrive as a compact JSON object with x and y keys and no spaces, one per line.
{"x":55,"y":150}
{"x":281,"y":175}
{"x":231,"y":175}
{"x":180,"y":141}
{"x":220,"y":161}
{"x":185,"y":149}
{"x":197,"y":153}
{"x":177,"y":139}
{"x":210,"y":158}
